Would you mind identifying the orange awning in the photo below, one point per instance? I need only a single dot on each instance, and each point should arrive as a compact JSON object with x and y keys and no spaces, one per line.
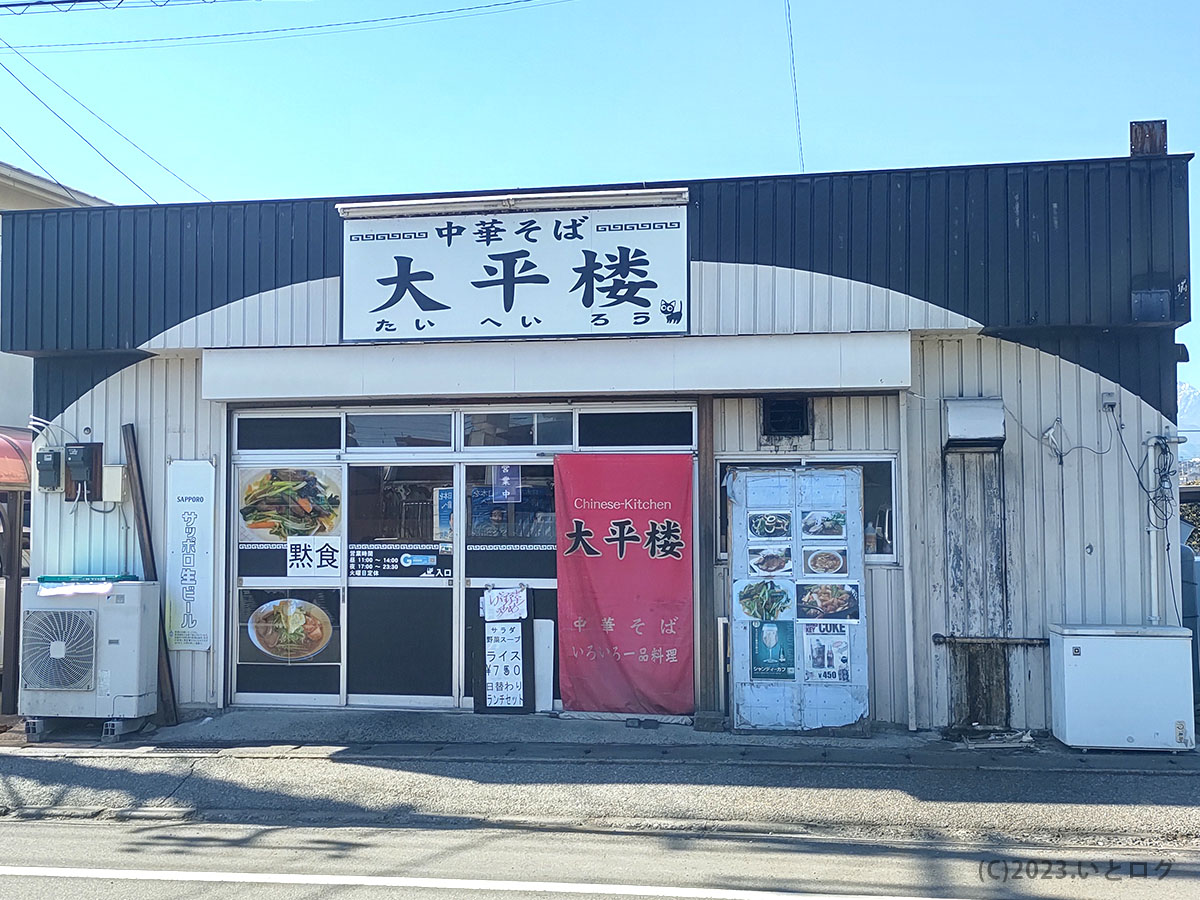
{"x":16,"y":451}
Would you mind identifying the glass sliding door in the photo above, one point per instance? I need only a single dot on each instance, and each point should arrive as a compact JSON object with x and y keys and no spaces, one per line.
{"x":400,"y":604}
{"x":288,"y":610}
{"x":510,"y":541}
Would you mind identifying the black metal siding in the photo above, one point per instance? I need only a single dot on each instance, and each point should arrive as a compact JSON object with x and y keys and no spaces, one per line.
{"x":112,"y":279}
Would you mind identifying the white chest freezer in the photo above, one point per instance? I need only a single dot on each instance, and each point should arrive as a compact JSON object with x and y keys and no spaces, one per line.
{"x":1122,"y":687}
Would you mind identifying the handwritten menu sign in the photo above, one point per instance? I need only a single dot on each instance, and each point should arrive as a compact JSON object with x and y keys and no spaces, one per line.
{"x":504,"y":658}
{"x":500,"y":604}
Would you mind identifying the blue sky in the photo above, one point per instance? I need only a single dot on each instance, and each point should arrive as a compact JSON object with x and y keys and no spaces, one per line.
{"x":587,"y":91}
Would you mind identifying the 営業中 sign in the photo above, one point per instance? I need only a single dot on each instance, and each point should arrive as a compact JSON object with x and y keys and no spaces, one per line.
{"x":516,"y":275}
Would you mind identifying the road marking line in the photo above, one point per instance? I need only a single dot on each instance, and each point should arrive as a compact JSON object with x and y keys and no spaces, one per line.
{"x":446,"y":884}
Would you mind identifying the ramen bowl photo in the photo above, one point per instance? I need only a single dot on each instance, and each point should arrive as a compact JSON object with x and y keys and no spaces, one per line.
{"x":825,"y":561}
{"x":290,"y":629}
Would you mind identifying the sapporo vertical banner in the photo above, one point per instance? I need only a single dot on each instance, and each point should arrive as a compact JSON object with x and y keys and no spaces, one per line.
{"x":191,"y":524}
{"x":625,"y":583}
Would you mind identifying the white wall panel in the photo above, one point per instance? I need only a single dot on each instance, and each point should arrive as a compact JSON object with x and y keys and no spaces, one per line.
{"x":668,"y":365}
{"x":161,"y":397}
{"x":16,"y":389}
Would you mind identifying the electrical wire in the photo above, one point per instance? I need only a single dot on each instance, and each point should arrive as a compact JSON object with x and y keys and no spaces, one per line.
{"x":270,"y":34}
{"x":37,"y":425}
{"x":45,"y":171}
{"x":1161,"y":498}
{"x":787,"y":11}
{"x":35,"y":96}
{"x":108,"y":124}
{"x":1064,"y":453}
{"x":21,"y":7}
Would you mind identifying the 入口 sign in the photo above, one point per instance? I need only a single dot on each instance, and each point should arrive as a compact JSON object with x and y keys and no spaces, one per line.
{"x":529,"y":274}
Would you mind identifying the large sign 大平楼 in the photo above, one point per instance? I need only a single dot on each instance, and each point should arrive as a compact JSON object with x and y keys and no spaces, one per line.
{"x":625,"y":610}
{"x":534,"y":274}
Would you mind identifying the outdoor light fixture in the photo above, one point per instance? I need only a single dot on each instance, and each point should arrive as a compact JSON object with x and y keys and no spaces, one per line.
{"x":501,"y":203}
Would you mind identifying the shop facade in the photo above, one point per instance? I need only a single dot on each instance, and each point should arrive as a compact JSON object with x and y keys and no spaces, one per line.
{"x":966,"y":354}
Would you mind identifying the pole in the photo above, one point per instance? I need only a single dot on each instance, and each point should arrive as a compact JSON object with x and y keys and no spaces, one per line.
{"x":141,"y":516}
{"x":710,"y":669}
{"x":903,"y":535}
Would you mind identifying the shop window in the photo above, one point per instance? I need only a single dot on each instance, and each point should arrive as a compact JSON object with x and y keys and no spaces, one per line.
{"x":429,"y":430}
{"x":879,"y":520}
{"x":519,"y":511}
{"x":24,"y":538}
{"x":400,"y":503}
{"x":635,"y":429}
{"x":290,"y":433}
{"x":525,"y":429}
{"x":554,"y":429}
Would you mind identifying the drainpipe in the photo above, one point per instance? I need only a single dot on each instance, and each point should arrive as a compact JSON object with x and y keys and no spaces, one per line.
{"x":903,"y":534}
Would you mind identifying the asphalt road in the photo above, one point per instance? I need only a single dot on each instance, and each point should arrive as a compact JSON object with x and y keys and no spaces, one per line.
{"x":1098,"y":808}
{"x":43,"y":860}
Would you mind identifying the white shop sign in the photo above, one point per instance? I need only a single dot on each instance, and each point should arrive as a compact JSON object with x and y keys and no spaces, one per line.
{"x":191,"y":525}
{"x":560,"y":273}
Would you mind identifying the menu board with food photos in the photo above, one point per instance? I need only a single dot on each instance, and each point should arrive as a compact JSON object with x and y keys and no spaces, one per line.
{"x":796,"y":559}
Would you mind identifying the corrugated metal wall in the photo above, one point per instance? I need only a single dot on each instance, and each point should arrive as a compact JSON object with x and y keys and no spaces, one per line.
{"x":161,"y":397}
{"x":1000,"y":244}
{"x":1019,"y":248}
{"x":1075,"y":548}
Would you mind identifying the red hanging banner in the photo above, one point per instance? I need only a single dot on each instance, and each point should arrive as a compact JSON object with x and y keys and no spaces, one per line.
{"x":625,"y":582}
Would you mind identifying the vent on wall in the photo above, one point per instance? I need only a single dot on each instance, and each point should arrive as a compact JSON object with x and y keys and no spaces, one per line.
{"x":974,"y":423}
{"x":784,"y":415}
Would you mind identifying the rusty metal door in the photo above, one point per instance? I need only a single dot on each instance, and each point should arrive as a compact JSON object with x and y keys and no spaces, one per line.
{"x":976,"y":590}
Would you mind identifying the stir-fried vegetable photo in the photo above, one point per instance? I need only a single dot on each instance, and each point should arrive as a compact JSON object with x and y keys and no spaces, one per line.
{"x":287,"y":503}
{"x":763,"y":600}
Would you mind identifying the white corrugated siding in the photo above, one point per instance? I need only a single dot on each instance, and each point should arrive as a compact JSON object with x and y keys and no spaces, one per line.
{"x":1053,"y":514}
{"x":742,"y":298}
{"x":307,"y":314}
{"x":727,"y":298}
{"x":161,"y":397}
{"x":840,"y":423}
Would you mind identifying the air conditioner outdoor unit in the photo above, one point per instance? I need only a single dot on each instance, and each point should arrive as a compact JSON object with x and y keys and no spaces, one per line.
{"x":90,"y":651}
